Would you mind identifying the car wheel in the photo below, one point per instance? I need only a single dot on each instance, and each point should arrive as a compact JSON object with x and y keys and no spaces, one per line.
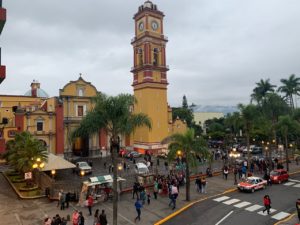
{"x":279,"y":181}
{"x":252,"y":190}
{"x":264,"y":186}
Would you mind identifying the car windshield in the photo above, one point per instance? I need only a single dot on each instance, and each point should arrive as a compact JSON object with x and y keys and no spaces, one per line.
{"x":250,"y":181}
{"x":83,"y":164}
{"x":274,"y":173}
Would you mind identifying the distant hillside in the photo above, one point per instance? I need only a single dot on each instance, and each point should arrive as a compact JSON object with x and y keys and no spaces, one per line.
{"x":214,"y":108}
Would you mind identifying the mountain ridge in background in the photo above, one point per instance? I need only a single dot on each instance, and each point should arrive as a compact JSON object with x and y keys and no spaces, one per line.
{"x":214,"y":108}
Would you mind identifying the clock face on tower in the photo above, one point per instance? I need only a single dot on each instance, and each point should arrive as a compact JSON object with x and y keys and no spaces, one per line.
{"x":154,"y":25}
{"x":141,"y":26}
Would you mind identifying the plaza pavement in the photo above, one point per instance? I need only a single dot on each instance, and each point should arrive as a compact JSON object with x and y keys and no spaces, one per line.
{"x":30,"y":212}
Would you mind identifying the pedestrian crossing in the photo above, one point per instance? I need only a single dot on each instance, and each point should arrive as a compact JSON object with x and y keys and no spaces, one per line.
{"x":251,"y":207}
{"x":293,"y":183}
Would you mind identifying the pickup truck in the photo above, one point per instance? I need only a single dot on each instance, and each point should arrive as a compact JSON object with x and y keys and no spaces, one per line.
{"x":82,"y":168}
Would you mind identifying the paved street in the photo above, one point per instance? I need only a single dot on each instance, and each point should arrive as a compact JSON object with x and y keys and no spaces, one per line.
{"x":31,"y":212}
{"x":243,"y":208}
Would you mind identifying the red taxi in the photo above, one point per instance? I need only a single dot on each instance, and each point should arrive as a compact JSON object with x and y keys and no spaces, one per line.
{"x":279,"y":176}
{"x":252,"y":184}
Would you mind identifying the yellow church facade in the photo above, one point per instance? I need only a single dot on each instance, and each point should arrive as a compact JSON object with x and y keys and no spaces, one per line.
{"x":150,"y":80}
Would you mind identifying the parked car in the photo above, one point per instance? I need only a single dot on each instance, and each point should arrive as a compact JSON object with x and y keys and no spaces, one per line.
{"x":82,"y":168}
{"x":133,"y":154}
{"x":141,"y":168}
{"x":279,"y":176}
{"x":256,"y":150}
{"x":252,"y":184}
{"x":123,"y":152}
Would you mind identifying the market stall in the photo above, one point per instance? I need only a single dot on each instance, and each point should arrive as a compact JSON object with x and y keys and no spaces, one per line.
{"x":99,"y":187}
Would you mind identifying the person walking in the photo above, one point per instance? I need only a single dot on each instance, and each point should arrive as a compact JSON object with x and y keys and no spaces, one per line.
{"x":225,"y":172}
{"x":135,"y":190}
{"x":90,"y":202}
{"x":155,"y":189}
{"x":298,"y":208}
{"x":75,"y":217}
{"x":102,"y":218}
{"x":148,"y":197}
{"x":96,"y":217}
{"x":267,"y":203}
{"x":80,"y":219}
{"x":198,"y":184}
{"x":67,"y":199}
{"x":62,"y":200}
{"x":203,"y":185}
{"x":138,"y":207}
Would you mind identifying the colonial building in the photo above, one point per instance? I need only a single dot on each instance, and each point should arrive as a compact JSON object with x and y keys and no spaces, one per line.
{"x":2,"y":22}
{"x":150,"y":79}
{"x":76,"y":97}
{"x":33,"y":112}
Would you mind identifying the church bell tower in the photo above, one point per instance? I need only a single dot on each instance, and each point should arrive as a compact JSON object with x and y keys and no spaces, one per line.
{"x":150,"y":77}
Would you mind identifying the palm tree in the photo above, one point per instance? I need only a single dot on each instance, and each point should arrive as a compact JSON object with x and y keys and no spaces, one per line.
{"x":260,"y":91}
{"x":190,"y":147}
{"x":285,"y":125}
{"x":290,"y":87}
{"x":114,"y":115}
{"x":249,"y":115}
{"x":23,"y":151}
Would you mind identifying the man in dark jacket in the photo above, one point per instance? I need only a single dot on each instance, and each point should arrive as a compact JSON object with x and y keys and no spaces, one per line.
{"x":102,"y":218}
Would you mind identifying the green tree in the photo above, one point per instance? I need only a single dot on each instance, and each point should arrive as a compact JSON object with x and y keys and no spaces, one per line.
{"x":183,"y":114}
{"x":285,"y":125}
{"x":22,"y":152}
{"x":114,"y":115}
{"x":185,"y":102}
{"x":263,"y":87}
{"x":290,"y":87}
{"x":249,"y":114}
{"x":190,"y":147}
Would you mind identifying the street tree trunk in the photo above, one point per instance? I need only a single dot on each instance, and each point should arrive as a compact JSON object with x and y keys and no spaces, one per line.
{"x":115,"y":182}
{"x":286,"y":153}
{"x":187,"y":185}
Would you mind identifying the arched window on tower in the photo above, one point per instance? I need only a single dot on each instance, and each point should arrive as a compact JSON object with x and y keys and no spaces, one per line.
{"x":155,"y":56}
{"x":140,"y":56}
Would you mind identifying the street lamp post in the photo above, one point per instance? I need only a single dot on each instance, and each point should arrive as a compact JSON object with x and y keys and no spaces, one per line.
{"x":38,"y":164}
{"x":234,"y":155}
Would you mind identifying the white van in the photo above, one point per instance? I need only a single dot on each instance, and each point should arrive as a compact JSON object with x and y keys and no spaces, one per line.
{"x":141,"y":168}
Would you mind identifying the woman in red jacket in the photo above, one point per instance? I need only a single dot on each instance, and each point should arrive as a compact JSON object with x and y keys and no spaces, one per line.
{"x":267,"y":203}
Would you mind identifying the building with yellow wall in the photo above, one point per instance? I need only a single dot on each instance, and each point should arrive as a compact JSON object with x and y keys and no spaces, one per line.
{"x":150,"y":79}
{"x":76,"y":97}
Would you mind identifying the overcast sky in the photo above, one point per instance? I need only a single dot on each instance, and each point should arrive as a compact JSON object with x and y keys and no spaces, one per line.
{"x":217,"y":49}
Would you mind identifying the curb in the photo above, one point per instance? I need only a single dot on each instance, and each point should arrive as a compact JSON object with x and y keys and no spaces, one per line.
{"x":286,"y":219}
{"x":190,"y":205}
{"x":18,"y":193}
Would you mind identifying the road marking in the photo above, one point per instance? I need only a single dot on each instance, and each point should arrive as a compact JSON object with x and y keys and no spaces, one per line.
{"x":280,"y":216}
{"x":297,"y":185}
{"x":253,"y":208}
{"x":224,"y":218}
{"x":293,"y":180}
{"x":242,"y":204}
{"x":289,"y":183}
{"x":18,"y":219}
{"x":231,"y":201}
{"x":221,"y":199}
{"x":266,"y":213}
